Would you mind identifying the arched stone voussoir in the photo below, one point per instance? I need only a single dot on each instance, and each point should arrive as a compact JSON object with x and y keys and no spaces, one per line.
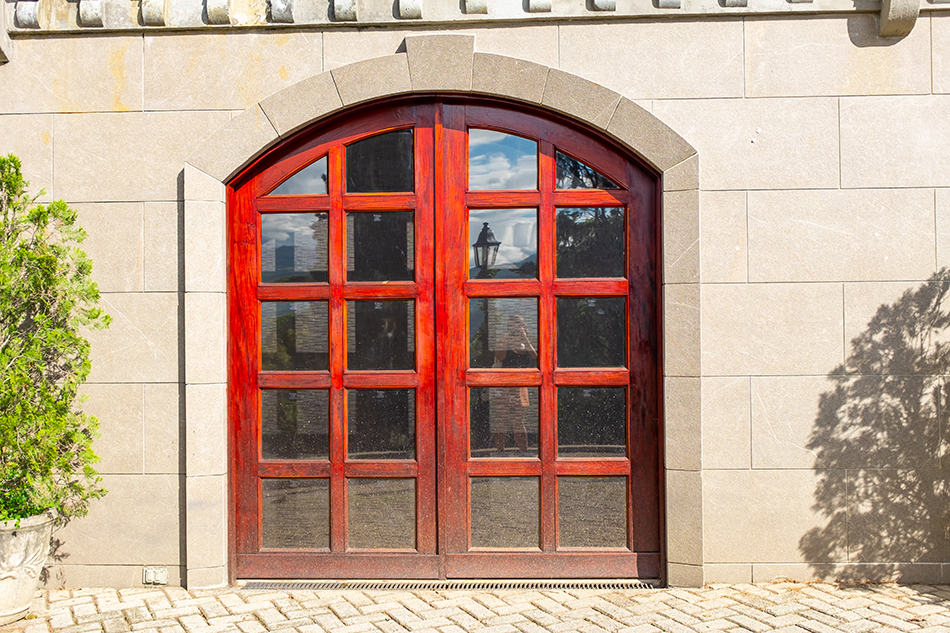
{"x":425,"y":69}
{"x":373,"y":79}
{"x":304,"y":102}
{"x":241,"y":140}
{"x":647,"y":136}
{"x":509,"y":77}
{"x":579,"y":98}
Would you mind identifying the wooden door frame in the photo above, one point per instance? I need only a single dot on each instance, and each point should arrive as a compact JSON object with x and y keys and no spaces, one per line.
{"x":247,"y":202}
{"x":243,"y":291}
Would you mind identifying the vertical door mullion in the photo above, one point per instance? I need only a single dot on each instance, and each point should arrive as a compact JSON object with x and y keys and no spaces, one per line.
{"x":424,"y":217}
{"x":452,"y":325}
{"x":337,"y":272}
{"x":547,"y":423}
{"x":643,"y":359}
{"x":243,"y":366}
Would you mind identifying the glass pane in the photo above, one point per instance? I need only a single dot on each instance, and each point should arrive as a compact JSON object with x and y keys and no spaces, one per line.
{"x":591,"y":331}
{"x":380,"y":334}
{"x":590,"y":242}
{"x":379,"y":246}
{"x":294,"y":335}
{"x":294,"y":423}
{"x":381,"y":423}
{"x":310,"y":180}
{"x":382,"y":513}
{"x":592,"y":511}
{"x":380,"y":163}
{"x":503,"y":243}
{"x":508,"y":337}
{"x":295,"y":513}
{"x":505,"y":512}
{"x":591,"y":421}
{"x":501,"y":161}
{"x":573,"y":174}
{"x":503,"y":421}
{"x":294,"y":247}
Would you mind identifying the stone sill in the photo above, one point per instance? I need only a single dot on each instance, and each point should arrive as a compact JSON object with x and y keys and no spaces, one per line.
{"x":139,"y":16}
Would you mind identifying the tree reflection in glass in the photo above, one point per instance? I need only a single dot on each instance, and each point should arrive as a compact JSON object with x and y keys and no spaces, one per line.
{"x":294,"y":335}
{"x":294,"y":247}
{"x":591,"y":331}
{"x":380,"y":163}
{"x":591,"y":421}
{"x":294,"y":423}
{"x":573,"y":174}
{"x":590,"y":242}
{"x":380,"y":334}
{"x":381,"y":423}
{"x":379,"y":246}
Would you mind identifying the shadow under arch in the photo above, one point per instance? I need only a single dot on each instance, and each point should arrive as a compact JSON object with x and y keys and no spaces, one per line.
{"x":884,"y":424}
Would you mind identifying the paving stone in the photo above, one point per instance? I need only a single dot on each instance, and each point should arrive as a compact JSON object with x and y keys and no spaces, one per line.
{"x":780,"y":607}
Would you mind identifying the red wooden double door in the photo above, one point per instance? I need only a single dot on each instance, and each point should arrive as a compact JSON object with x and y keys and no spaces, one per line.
{"x":443,"y":351}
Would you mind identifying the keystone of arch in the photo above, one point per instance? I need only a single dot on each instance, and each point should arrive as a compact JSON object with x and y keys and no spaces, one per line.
{"x":447,"y":64}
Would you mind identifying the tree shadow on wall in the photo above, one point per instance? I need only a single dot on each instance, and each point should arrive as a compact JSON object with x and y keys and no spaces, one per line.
{"x":880,"y":444}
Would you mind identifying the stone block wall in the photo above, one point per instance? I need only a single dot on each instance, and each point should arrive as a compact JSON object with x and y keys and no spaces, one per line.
{"x":824,"y":178}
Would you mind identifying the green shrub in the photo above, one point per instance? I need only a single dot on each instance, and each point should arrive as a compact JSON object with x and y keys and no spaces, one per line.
{"x":46,"y":298}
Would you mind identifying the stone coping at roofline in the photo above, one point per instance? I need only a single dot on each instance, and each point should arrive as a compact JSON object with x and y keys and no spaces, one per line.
{"x":37,"y":17}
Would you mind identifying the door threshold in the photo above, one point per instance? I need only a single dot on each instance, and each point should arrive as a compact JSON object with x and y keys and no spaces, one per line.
{"x":441,"y":585}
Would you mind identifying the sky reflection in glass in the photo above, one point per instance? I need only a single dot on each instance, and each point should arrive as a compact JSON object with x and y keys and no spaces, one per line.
{"x":501,"y":161}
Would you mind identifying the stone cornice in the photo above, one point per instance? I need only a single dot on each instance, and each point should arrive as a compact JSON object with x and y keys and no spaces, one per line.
{"x":77,"y":16}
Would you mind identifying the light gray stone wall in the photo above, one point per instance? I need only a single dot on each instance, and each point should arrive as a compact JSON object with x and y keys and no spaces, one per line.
{"x":824,"y":194}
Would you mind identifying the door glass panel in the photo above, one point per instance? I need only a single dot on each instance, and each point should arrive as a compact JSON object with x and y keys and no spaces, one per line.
{"x":505,"y":512}
{"x":380,"y":163}
{"x":590,"y":331}
{"x":508,"y":337}
{"x":590,"y":242}
{"x":294,"y":247}
{"x":592,"y":511}
{"x":294,"y":423}
{"x":294,"y":335}
{"x":503,"y":421}
{"x":591,"y":421}
{"x":379,"y":246}
{"x":295,"y":513}
{"x":381,"y":423}
{"x":573,"y":174}
{"x":382,"y":513}
{"x":380,"y":334}
{"x":501,"y":161}
{"x":503,"y":243}
{"x":311,"y":180}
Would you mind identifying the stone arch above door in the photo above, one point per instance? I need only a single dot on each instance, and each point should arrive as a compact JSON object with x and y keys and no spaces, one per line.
{"x":437,"y":64}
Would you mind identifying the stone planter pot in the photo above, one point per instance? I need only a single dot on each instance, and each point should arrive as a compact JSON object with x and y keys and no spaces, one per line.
{"x":23,"y":552}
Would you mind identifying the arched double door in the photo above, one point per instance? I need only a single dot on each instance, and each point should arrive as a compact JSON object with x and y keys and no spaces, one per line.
{"x":443,"y":351}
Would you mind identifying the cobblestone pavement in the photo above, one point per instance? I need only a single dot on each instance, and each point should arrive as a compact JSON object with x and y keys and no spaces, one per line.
{"x":779,"y":607}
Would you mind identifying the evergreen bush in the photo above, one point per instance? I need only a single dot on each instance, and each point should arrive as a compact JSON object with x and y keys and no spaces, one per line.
{"x":47,"y":298}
